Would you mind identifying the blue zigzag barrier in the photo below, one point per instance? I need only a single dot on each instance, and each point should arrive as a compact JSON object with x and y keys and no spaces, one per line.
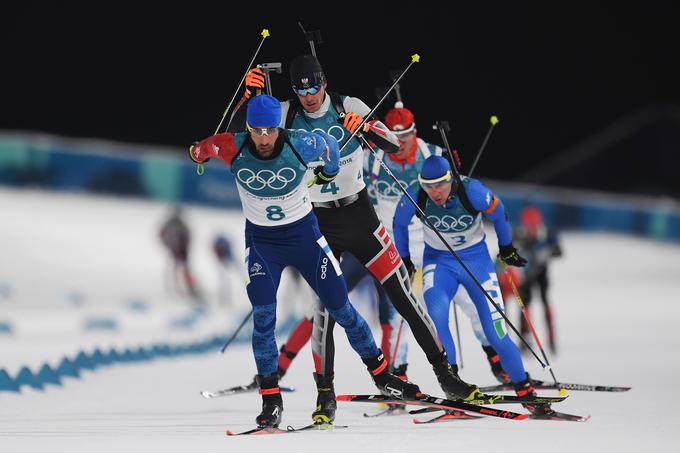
{"x":68,"y":368}
{"x":7,"y":384}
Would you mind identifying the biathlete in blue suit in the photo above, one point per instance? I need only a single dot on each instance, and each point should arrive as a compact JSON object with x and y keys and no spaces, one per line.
{"x":455,"y":206}
{"x":269,"y":166}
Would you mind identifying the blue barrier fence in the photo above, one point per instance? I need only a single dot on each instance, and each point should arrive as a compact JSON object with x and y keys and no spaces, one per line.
{"x":72,"y":367}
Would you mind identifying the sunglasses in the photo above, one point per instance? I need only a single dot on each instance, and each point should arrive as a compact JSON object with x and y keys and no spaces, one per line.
{"x":262,"y":131}
{"x":305,"y":91}
{"x":437,"y":183}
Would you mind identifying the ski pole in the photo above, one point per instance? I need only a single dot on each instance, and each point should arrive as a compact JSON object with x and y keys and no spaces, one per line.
{"x":446,"y":244}
{"x":525,"y":312}
{"x":460,"y":345}
{"x":233,"y":336}
{"x":393,"y":356}
{"x":415,"y":58}
{"x":493,"y":121}
{"x":265,"y":34}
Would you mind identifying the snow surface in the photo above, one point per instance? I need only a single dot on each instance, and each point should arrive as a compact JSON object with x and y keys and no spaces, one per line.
{"x":67,"y":258}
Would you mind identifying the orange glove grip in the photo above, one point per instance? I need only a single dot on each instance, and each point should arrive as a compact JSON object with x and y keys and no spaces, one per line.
{"x":254,"y":81}
{"x":352,"y":121}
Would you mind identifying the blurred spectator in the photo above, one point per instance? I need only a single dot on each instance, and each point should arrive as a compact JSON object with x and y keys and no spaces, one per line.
{"x":176,"y":238}
{"x":539,"y":244}
{"x":223,"y":253}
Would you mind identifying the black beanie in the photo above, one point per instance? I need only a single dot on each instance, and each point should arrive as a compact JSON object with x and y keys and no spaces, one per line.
{"x":306,"y":72}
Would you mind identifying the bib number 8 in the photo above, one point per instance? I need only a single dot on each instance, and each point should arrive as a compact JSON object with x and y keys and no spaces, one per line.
{"x":275,"y":213}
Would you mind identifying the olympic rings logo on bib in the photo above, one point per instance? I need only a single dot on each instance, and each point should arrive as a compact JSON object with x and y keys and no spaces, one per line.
{"x":450,"y":223}
{"x":266,"y":178}
{"x":388,"y":189}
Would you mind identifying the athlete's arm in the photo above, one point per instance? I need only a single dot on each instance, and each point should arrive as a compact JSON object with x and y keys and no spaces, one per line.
{"x":312,"y":146}
{"x":402,"y":218}
{"x":221,"y":146}
{"x":374,"y":131}
{"x":482,"y":199}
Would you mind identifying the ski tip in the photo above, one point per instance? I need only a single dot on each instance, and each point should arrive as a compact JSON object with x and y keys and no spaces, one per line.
{"x":206,"y":395}
{"x":563,"y":392}
{"x":344,"y":397}
{"x":230,"y":433}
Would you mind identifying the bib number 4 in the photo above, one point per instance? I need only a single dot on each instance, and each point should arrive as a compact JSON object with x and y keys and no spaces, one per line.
{"x":330,"y":188}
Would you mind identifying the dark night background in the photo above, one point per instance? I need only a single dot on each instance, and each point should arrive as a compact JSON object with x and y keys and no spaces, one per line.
{"x":588,"y":95}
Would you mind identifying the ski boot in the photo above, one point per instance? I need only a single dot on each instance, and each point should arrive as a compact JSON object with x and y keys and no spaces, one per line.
{"x":272,"y":403}
{"x":325,"y":399}
{"x":388,"y":383}
{"x":526,"y":388}
{"x":399,"y":372}
{"x":495,"y":363}
{"x":454,"y":387}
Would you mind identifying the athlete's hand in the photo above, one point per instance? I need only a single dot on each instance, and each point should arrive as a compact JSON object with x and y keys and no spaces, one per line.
{"x":351,"y":121}
{"x":254,"y":82}
{"x":508,"y":254}
{"x":320,"y":177}
{"x":410,"y":267}
{"x":209,"y":147}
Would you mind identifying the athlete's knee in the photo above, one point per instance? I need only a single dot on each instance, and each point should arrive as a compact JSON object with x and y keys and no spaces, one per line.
{"x":264,"y":318}
{"x":344,"y":315}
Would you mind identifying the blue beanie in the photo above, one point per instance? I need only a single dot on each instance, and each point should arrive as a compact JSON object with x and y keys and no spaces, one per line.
{"x":264,"y":111}
{"x":434,"y":168}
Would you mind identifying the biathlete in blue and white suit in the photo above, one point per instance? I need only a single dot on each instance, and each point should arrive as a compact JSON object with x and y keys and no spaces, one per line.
{"x":455,"y":207}
{"x":269,"y":166}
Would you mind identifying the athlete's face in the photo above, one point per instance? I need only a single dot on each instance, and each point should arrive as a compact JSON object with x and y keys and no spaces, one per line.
{"x":312,"y":102}
{"x":406,"y":144}
{"x":264,"y":142}
{"x":438,"y":192}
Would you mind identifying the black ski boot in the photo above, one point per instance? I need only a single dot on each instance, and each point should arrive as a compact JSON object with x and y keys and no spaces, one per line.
{"x":388,"y":383}
{"x":399,"y":372}
{"x":454,"y":387}
{"x":272,"y":403}
{"x":325,"y":399}
{"x":526,"y":388}
{"x":495,"y":363}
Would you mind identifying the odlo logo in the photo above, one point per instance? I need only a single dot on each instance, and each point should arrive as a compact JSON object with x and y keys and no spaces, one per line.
{"x":324,"y":268}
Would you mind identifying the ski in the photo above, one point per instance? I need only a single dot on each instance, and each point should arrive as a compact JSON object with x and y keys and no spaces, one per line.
{"x":448,"y":415}
{"x":425,"y":410}
{"x":260,"y":431}
{"x":512,"y":399}
{"x":238,"y":390}
{"x":431,"y":401}
{"x":560,"y":416}
{"x":392,"y":409}
{"x":544,"y":385}
{"x":271,"y":430}
{"x":318,"y":427}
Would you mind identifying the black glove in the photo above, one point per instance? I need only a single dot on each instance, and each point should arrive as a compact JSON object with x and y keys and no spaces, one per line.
{"x":320,"y":177}
{"x":410,"y":267}
{"x":508,"y":254}
{"x":556,"y":251}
